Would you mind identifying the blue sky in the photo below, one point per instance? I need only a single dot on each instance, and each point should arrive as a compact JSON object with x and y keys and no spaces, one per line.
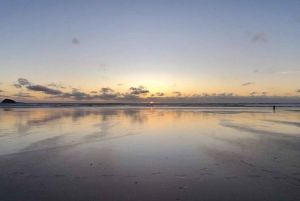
{"x":241,"y":48}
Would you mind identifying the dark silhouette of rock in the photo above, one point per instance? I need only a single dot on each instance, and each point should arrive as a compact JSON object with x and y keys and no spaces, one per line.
{"x":8,"y":101}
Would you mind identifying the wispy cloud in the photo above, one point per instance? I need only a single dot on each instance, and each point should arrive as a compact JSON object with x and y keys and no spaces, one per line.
{"x":253,"y":93}
{"x":1,"y":91}
{"x":44,"y":89}
{"x":158,"y":94}
{"x":290,"y":72}
{"x":18,"y":86}
{"x":256,"y":71}
{"x":75,"y":41}
{"x":247,"y":83}
{"x":260,"y":37}
{"x":23,"y":95}
{"x":270,"y":70}
{"x":264,"y":93}
{"x":298,"y":91}
{"x":93,"y":92}
{"x":58,"y":86}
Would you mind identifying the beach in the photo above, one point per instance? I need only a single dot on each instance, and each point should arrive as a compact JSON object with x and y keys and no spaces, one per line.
{"x":148,"y":153}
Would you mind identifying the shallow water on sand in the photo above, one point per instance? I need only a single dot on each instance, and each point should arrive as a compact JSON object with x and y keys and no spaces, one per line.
{"x":149,"y":154}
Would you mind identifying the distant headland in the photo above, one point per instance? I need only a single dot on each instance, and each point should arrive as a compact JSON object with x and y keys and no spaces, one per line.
{"x":8,"y":101}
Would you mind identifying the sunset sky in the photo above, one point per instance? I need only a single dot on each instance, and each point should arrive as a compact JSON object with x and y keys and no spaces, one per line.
{"x":140,"y":51}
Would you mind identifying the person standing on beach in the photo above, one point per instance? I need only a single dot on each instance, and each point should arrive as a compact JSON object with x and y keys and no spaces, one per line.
{"x":274,"y":108}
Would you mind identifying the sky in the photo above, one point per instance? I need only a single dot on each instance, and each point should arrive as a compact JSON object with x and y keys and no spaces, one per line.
{"x":141,"y":51}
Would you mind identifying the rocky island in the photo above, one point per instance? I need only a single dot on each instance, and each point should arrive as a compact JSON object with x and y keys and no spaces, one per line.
{"x":8,"y":101}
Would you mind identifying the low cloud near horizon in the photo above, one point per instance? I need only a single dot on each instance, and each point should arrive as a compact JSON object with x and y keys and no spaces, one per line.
{"x":138,"y":94}
{"x":23,"y":95}
{"x":44,"y":89}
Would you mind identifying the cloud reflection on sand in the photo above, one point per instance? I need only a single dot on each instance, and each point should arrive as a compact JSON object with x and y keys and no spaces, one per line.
{"x":162,"y":152}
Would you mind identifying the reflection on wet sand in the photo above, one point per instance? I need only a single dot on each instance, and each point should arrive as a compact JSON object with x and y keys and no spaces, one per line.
{"x":149,"y":154}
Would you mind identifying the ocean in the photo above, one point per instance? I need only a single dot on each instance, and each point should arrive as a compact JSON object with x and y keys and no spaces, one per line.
{"x":206,"y":105}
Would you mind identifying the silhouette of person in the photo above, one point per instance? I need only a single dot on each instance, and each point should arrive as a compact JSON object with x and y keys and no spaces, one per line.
{"x":274,"y":108}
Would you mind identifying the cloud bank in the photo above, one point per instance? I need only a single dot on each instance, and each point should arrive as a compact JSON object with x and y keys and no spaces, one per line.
{"x":44,"y":89}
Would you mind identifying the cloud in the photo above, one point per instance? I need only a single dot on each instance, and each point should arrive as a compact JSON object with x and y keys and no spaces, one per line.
{"x":75,"y":41}
{"x":106,"y":90}
{"x":1,"y":91}
{"x":298,"y":91}
{"x":44,"y":89}
{"x":270,"y":70}
{"x":120,"y":84}
{"x":77,"y":95}
{"x":1,"y":83}
{"x":256,"y":71}
{"x":106,"y":96}
{"x":247,"y":83}
{"x":191,"y":98}
{"x":260,"y":37}
{"x":58,"y":86}
{"x":18,"y":86}
{"x":74,"y":89}
{"x":102,"y":67}
{"x":159,"y":94}
{"x":290,"y":72}
{"x":23,"y":81}
{"x":177,"y":93}
{"x":130,"y":97}
{"x":23,"y":95}
{"x":264,"y":93}
{"x":93,"y":92}
{"x":141,"y":90}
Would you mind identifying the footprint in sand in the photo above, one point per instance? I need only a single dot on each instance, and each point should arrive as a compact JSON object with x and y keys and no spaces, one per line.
{"x":183,"y":187}
{"x":232,"y":177}
{"x":253,"y":176}
{"x":32,"y":176}
{"x":59,"y":175}
{"x":205,"y":174}
{"x":107,"y":175}
{"x":270,"y":171}
{"x":131,"y":176}
{"x":156,"y":173}
{"x":181,"y":176}
{"x":279,"y":177}
{"x":18,"y":172}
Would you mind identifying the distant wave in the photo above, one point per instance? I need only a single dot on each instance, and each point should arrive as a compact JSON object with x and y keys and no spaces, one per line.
{"x":47,"y":105}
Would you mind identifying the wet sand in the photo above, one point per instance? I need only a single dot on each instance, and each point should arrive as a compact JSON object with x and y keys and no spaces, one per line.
{"x":149,"y":154}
